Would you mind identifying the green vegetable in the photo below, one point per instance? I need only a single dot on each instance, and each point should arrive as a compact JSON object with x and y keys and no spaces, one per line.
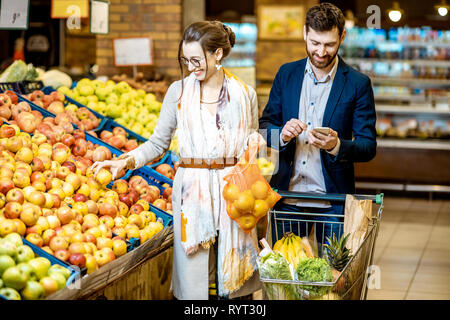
{"x":19,"y":71}
{"x":55,"y":78}
{"x":315,"y":270}
{"x":275,"y":266}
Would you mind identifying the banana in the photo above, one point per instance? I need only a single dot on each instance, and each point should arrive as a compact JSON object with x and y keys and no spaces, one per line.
{"x":284,"y":248}
{"x":277,"y":245}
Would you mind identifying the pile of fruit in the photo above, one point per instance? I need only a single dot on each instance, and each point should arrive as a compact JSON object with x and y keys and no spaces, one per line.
{"x":48,"y":195}
{"x":54,"y":103}
{"x":118,"y":138}
{"x":139,"y":82}
{"x":133,"y":109}
{"x":248,"y":206}
{"x":23,"y":275}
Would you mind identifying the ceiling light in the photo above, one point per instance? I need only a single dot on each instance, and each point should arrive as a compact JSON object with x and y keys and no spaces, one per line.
{"x":442,"y":8}
{"x":395,"y":13}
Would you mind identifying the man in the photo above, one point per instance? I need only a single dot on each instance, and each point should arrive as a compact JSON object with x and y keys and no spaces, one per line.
{"x":319,"y":91}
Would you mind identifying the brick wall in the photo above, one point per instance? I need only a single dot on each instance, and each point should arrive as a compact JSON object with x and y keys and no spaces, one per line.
{"x":159,"y":19}
{"x":271,"y":54}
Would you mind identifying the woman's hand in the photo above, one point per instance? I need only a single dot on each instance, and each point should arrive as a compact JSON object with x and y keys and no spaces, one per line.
{"x":256,"y":139}
{"x":114,"y":166}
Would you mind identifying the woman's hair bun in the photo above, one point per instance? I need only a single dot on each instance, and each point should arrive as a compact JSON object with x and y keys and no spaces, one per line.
{"x":231,"y":35}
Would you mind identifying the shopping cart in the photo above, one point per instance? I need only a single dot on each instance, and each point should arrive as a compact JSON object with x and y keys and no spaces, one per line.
{"x":351,"y":284}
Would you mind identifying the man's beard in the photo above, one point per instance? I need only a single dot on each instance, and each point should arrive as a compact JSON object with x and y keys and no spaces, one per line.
{"x":324,"y":64}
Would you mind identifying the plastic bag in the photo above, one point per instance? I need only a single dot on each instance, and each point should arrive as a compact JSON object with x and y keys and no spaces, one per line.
{"x":248,"y":195}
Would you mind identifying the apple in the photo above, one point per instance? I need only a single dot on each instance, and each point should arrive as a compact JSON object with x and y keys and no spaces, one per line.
{"x":62,"y":254}
{"x":24,"y":254}
{"x":7,"y":131}
{"x":13,"y":210}
{"x":49,"y":285}
{"x":6,"y":262}
{"x":58,"y":242}
{"x":136,"y":219}
{"x":103,"y":242}
{"x":40,"y":266}
{"x":48,"y":235}
{"x":15,"y":278}
{"x":108,"y":220}
{"x":35,"y":239}
{"x":78,"y":259}
{"x":119,"y":247}
{"x":58,"y":276}
{"x":15,"y":195}
{"x":14,"y":238}
{"x":37,"y":198}
{"x":70,"y":165}
{"x":20,"y":227}
{"x":77,"y":247}
{"x":34,"y":229}
{"x":7,"y":226}
{"x":91,"y":264}
{"x":74,"y":180}
{"x":65,"y":214}
{"x":103,"y":177}
{"x":101,"y":257}
{"x":166,"y":170}
{"x":160,"y":203}
{"x":6,"y":184}
{"x":107,"y":209}
{"x":10,"y":294}
{"x":105,"y":231}
{"x":62,"y":172}
{"x":53,"y":221}
{"x":29,"y":216}
{"x":14,"y":144}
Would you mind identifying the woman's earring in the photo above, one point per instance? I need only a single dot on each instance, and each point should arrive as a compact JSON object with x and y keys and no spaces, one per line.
{"x":218,"y":65}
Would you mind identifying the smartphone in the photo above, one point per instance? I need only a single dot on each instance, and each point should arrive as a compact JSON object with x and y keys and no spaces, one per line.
{"x":323,"y":130}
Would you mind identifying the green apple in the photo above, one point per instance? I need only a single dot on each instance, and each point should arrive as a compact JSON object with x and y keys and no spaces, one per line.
{"x":82,"y":100}
{"x":24,"y":254}
{"x":84,"y":82}
{"x":139,"y":104}
{"x":8,"y":248}
{"x":138,"y":128}
{"x":60,"y":279}
{"x":110,"y":83}
{"x":112,"y":98}
{"x":101,"y":93}
{"x":121,"y":121}
{"x":122,"y":87}
{"x":10,"y":294}
{"x":25,"y":267}
{"x":149,"y":97}
{"x":154,"y":106}
{"x":33,"y":291}
{"x":15,"y":278}
{"x":86,"y":90}
{"x":93,"y":105}
{"x":97,"y":83}
{"x":64,"y":90}
{"x":141,"y":93}
{"x":6,"y":262}
{"x":125,"y":98}
{"x":72,"y":107}
{"x":57,"y":268}
{"x":40,"y":265}
{"x":14,"y":238}
{"x":114,"y":110}
{"x":93,"y":98}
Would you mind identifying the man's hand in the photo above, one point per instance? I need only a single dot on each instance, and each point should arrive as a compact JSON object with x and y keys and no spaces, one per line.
{"x":323,"y":141}
{"x":293,"y":128}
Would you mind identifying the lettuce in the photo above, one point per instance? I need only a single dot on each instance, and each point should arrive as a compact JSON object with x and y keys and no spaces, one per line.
{"x":275,"y":266}
{"x":19,"y":71}
{"x":314,"y":270}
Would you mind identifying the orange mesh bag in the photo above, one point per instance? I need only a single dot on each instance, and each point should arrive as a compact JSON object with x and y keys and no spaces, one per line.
{"x":247,"y":193}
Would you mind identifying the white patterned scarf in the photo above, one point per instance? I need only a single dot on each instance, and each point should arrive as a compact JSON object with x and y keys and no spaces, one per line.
{"x":203,"y":208}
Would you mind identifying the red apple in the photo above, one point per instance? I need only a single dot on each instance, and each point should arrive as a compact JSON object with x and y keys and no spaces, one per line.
{"x":166,"y":170}
{"x":78,"y":259}
{"x":62,"y":254}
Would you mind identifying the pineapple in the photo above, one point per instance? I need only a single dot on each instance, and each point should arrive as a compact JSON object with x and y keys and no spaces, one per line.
{"x":337,"y":257}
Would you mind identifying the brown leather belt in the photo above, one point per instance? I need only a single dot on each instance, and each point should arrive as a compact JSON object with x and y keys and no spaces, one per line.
{"x":219,"y":163}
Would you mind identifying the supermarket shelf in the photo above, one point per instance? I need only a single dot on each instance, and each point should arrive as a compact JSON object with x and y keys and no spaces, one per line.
{"x":409,"y":98}
{"x":411,"y":109}
{"x":412,"y":82}
{"x":413,"y":144}
{"x":435,"y":44}
{"x":416,"y":62}
{"x":403,"y":187}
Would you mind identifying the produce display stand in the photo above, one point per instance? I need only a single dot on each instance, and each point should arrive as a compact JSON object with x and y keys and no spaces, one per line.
{"x":143,"y":273}
{"x":354,"y":275}
{"x":22,"y":87}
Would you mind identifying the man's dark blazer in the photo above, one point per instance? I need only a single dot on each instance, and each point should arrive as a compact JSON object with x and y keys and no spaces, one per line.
{"x":350,"y":111}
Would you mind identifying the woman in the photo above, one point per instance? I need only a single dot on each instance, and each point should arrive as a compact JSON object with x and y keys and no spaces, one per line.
{"x":216,"y":114}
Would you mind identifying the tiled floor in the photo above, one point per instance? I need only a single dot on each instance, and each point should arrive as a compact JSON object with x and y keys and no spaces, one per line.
{"x":412,"y":251}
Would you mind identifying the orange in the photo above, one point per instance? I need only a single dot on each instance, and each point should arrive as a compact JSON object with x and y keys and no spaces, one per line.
{"x":260,"y":189}
{"x":244,"y":202}
{"x":271,"y":199}
{"x":231,"y":192}
{"x":260,"y":209}
{"x":247,"y":222}
{"x":232,"y":212}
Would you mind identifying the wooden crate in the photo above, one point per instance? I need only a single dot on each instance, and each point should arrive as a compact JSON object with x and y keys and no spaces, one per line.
{"x":130,"y":264}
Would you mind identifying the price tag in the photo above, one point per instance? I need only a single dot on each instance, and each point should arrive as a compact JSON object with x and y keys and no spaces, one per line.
{"x":99,"y":17}
{"x":14,"y":14}
{"x":132,"y":52}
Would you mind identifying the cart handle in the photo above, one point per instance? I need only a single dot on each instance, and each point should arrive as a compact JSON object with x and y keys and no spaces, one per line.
{"x":378,"y":198}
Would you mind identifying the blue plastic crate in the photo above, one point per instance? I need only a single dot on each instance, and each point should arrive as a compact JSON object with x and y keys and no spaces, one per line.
{"x":74,"y":274}
{"x":34,"y":106}
{"x":12,"y":86}
{"x":21,"y":87}
{"x":103,"y":119}
{"x":151,"y":175}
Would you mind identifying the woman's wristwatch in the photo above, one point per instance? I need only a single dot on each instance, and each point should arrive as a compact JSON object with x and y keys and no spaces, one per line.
{"x":130,"y":162}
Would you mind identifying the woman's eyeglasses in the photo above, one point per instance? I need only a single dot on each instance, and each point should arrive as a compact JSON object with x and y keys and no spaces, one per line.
{"x":194,"y":61}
